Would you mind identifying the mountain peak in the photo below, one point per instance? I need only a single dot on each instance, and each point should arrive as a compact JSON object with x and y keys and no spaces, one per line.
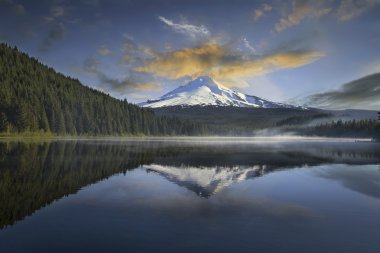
{"x":203,"y":81}
{"x":205,"y":91}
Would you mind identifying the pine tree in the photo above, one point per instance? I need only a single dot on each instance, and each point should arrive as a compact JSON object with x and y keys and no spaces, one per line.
{"x":21,"y":117}
{"x":60,"y":124}
{"x":3,"y":122}
{"x":44,"y":122}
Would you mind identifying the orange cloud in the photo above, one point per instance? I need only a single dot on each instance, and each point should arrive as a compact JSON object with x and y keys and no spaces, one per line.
{"x":150,"y":86}
{"x":265,"y":64}
{"x":219,"y":62}
{"x":103,"y":50}
{"x":261,"y":12}
{"x":184,"y":62}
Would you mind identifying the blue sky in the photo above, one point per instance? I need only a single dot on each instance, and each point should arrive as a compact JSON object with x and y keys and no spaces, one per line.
{"x":140,"y":49}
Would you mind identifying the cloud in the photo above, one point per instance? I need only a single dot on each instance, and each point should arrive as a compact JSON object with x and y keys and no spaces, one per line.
{"x":139,"y":96}
{"x":92,"y":3}
{"x":57,"y":11}
{"x":371,"y":68}
{"x":129,"y":43}
{"x":126,"y":85}
{"x":302,"y":9}
{"x":184,"y":62}
{"x":363,"y":93}
{"x":90,"y":65}
{"x":312,"y":38}
{"x":57,"y":32}
{"x":119,"y":86}
{"x":114,"y":85}
{"x":249,"y":46}
{"x":349,"y":9}
{"x":187,"y":29}
{"x":133,"y":52}
{"x":221,"y":63}
{"x":56,"y":21}
{"x":344,"y":10}
{"x":103,"y":50}
{"x":261,"y":12}
{"x":15,"y":7}
{"x":107,"y":84}
{"x":127,"y":59}
{"x":150,"y":86}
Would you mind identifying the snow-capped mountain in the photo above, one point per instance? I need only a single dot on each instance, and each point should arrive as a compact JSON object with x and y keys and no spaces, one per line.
{"x":205,"y":91}
{"x":206,"y":181}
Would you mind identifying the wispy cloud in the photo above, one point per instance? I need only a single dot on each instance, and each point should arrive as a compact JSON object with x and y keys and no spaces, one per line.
{"x":342,"y":10}
{"x":56,"y":23}
{"x":249,"y":46}
{"x":363,"y":93}
{"x":103,"y":50}
{"x":134,"y":52}
{"x":302,"y":9}
{"x":107,"y":84}
{"x":56,"y":32}
{"x":139,"y":96}
{"x":56,"y":13}
{"x":14,"y":6}
{"x":348,"y":9}
{"x":261,"y":12}
{"x":221,"y":63}
{"x":120,"y":87}
{"x":187,"y":29}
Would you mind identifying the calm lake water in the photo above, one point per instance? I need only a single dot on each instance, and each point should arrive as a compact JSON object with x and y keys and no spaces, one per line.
{"x":188,"y":195}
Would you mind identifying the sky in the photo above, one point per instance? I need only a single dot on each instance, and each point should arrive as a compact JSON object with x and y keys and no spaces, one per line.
{"x":141,"y":49}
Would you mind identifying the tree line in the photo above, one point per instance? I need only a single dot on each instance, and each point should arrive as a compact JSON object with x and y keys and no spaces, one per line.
{"x":368,"y":128}
{"x":34,"y":97}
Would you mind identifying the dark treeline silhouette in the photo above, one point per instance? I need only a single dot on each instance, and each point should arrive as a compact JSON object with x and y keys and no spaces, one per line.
{"x":235,"y":121}
{"x":350,"y":128}
{"x":34,"y":97}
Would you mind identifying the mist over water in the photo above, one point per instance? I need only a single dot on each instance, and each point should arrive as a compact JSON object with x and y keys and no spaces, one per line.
{"x":217,"y":194}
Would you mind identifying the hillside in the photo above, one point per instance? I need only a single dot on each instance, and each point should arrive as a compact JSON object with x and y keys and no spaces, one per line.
{"x":34,"y":97}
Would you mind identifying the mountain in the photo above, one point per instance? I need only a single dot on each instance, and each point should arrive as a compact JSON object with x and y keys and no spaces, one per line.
{"x":204,"y":91}
{"x":35,"y":98}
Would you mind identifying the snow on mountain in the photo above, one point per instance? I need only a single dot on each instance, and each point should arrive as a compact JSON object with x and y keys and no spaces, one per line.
{"x":206,"y":181}
{"x":205,"y":91}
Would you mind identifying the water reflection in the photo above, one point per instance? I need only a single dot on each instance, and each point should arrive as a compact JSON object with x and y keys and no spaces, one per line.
{"x":33,"y":175}
{"x":206,"y":181}
{"x":355,"y":178}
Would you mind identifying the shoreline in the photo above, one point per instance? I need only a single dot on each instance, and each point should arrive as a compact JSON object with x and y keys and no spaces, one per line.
{"x":201,"y":139}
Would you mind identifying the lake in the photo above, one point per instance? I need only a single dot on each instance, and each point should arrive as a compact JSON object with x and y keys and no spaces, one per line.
{"x":190,"y":195}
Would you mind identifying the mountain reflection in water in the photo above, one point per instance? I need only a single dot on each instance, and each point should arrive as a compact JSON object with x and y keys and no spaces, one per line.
{"x":34,"y":174}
